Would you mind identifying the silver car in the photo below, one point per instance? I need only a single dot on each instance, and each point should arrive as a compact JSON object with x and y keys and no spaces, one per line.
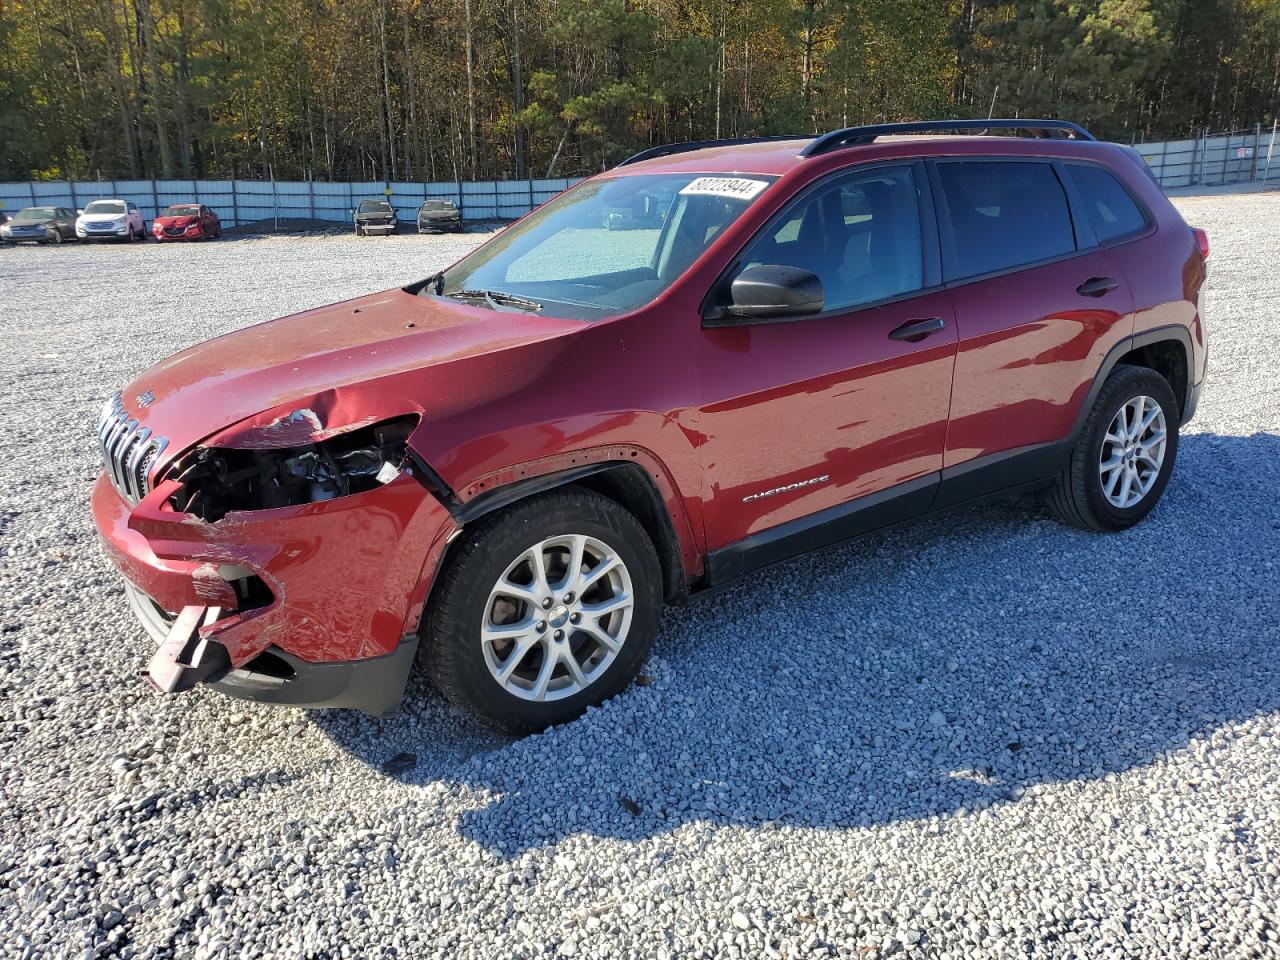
{"x":40,"y":225}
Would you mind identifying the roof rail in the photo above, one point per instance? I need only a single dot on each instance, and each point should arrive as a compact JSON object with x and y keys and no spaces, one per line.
{"x":859,"y":136}
{"x":669,"y":148}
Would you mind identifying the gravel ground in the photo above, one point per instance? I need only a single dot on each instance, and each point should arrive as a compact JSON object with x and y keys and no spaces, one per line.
{"x":980,"y":736}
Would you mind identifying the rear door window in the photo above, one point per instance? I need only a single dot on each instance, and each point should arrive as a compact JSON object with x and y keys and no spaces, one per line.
{"x":1004,"y":214}
{"x":1112,"y":210}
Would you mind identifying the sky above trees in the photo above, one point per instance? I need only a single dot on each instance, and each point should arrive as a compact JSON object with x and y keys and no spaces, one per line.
{"x":482,"y":89}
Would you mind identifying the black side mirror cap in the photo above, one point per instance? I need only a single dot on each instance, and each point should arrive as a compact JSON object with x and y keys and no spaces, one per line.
{"x":769,"y":292}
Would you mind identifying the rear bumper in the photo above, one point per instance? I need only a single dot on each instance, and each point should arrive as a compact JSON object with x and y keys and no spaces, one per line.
{"x":339,"y":585}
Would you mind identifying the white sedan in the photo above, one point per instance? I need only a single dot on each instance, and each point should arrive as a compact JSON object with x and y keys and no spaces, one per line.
{"x":111,"y":220}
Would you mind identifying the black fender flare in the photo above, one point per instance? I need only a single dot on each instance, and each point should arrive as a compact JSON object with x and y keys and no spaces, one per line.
{"x":1173,"y":332}
{"x":606,"y":476}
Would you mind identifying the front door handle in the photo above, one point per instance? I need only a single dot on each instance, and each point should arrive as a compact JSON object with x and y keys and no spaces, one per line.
{"x":913,"y":331}
{"x":1097,"y":286}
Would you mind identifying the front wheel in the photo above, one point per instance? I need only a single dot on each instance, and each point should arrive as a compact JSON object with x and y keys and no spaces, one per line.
{"x":545,"y":609}
{"x":1124,"y":456}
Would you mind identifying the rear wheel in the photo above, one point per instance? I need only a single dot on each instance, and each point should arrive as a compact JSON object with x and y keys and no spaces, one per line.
{"x":545,"y":609}
{"x":1122,"y":461}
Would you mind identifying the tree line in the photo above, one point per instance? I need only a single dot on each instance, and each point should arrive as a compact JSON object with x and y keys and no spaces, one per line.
{"x":481,"y":89}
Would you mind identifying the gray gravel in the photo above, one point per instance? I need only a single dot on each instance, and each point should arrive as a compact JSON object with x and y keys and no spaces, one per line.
{"x":981,"y":736}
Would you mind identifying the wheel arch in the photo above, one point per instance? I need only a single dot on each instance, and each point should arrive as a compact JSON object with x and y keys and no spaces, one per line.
{"x":630,"y":476}
{"x":1166,"y":350}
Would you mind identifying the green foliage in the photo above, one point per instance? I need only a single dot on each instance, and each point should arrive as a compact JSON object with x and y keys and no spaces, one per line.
{"x":377,"y":89}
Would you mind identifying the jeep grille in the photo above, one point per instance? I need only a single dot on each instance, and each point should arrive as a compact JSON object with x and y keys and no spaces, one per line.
{"x":129,"y":449}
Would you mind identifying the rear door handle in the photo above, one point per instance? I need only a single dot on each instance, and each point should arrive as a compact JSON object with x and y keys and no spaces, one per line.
{"x":913,"y":331}
{"x":1097,"y":286}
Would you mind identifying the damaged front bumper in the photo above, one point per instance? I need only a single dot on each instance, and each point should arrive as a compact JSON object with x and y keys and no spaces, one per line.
{"x":314,"y":605}
{"x":184,"y":658}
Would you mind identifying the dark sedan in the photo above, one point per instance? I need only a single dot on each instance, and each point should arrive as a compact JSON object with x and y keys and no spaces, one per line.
{"x":439,"y":215}
{"x":40,"y":225}
{"x":375,"y":216}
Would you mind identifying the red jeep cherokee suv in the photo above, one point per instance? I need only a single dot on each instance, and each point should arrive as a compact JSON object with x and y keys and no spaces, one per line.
{"x":513,"y":463}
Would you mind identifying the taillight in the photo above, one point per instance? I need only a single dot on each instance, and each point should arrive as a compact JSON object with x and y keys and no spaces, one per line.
{"x":1202,"y":241}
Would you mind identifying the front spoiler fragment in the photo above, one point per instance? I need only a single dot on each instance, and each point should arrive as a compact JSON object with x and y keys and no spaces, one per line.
{"x":185,"y":658}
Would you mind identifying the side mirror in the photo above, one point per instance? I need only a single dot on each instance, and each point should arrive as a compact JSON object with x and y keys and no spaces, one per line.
{"x":769,"y":292}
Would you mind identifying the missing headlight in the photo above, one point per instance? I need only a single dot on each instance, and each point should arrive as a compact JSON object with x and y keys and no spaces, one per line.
{"x":218,"y":480}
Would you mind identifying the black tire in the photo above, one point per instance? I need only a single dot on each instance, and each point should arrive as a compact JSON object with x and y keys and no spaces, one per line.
{"x":452,"y":650}
{"x":1077,"y":497}
{"x":57,"y":236}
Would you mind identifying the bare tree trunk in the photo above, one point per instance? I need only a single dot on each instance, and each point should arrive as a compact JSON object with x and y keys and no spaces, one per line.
{"x":389,"y":140}
{"x":806,"y":64}
{"x":184,"y":87}
{"x":720,"y":75}
{"x":964,"y":36}
{"x":131,"y":43}
{"x":551,"y":168}
{"x":115,"y":70}
{"x":471,"y":89}
{"x":147,"y":28}
{"x":328,"y":138}
{"x":411,"y":81}
{"x":517,"y":90}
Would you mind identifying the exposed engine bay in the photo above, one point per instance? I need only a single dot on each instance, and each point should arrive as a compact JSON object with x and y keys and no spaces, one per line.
{"x":218,"y":480}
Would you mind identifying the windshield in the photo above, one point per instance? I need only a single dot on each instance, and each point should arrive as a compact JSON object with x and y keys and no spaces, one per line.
{"x":36,"y":213}
{"x":105,"y":206}
{"x":608,"y":246}
{"x":181,"y":210}
{"x":439,"y":205}
{"x":374,"y":206}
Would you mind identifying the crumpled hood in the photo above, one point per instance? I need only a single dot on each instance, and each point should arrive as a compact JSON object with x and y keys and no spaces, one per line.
{"x":183,"y":221}
{"x":318,"y":372}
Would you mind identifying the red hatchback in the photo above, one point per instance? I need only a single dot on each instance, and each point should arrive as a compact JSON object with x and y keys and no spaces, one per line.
{"x":508,"y":467}
{"x":187,"y":221}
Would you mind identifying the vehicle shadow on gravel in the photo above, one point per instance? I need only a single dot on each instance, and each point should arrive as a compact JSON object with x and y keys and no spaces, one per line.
{"x":944,"y":667}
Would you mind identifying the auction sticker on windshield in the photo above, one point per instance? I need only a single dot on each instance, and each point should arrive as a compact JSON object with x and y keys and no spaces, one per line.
{"x":735,"y":187}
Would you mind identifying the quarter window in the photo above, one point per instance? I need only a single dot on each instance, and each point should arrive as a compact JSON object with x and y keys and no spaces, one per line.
{"x":860,"y":235}
{"x":1004,"y":215}
{"x":1112,"y":210}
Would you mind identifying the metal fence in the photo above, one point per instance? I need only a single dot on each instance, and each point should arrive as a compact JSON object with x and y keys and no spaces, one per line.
{"x":1207,"y":159}
{"x":241,"y":202}
{"x":1215,"y":159}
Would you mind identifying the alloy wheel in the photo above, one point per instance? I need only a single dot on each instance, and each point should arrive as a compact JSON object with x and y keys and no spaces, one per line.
{"x":1132,"y":452}
{"x":557,"y":618}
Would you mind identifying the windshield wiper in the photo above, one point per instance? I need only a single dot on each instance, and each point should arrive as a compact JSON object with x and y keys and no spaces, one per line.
{"x":494,"y":298}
